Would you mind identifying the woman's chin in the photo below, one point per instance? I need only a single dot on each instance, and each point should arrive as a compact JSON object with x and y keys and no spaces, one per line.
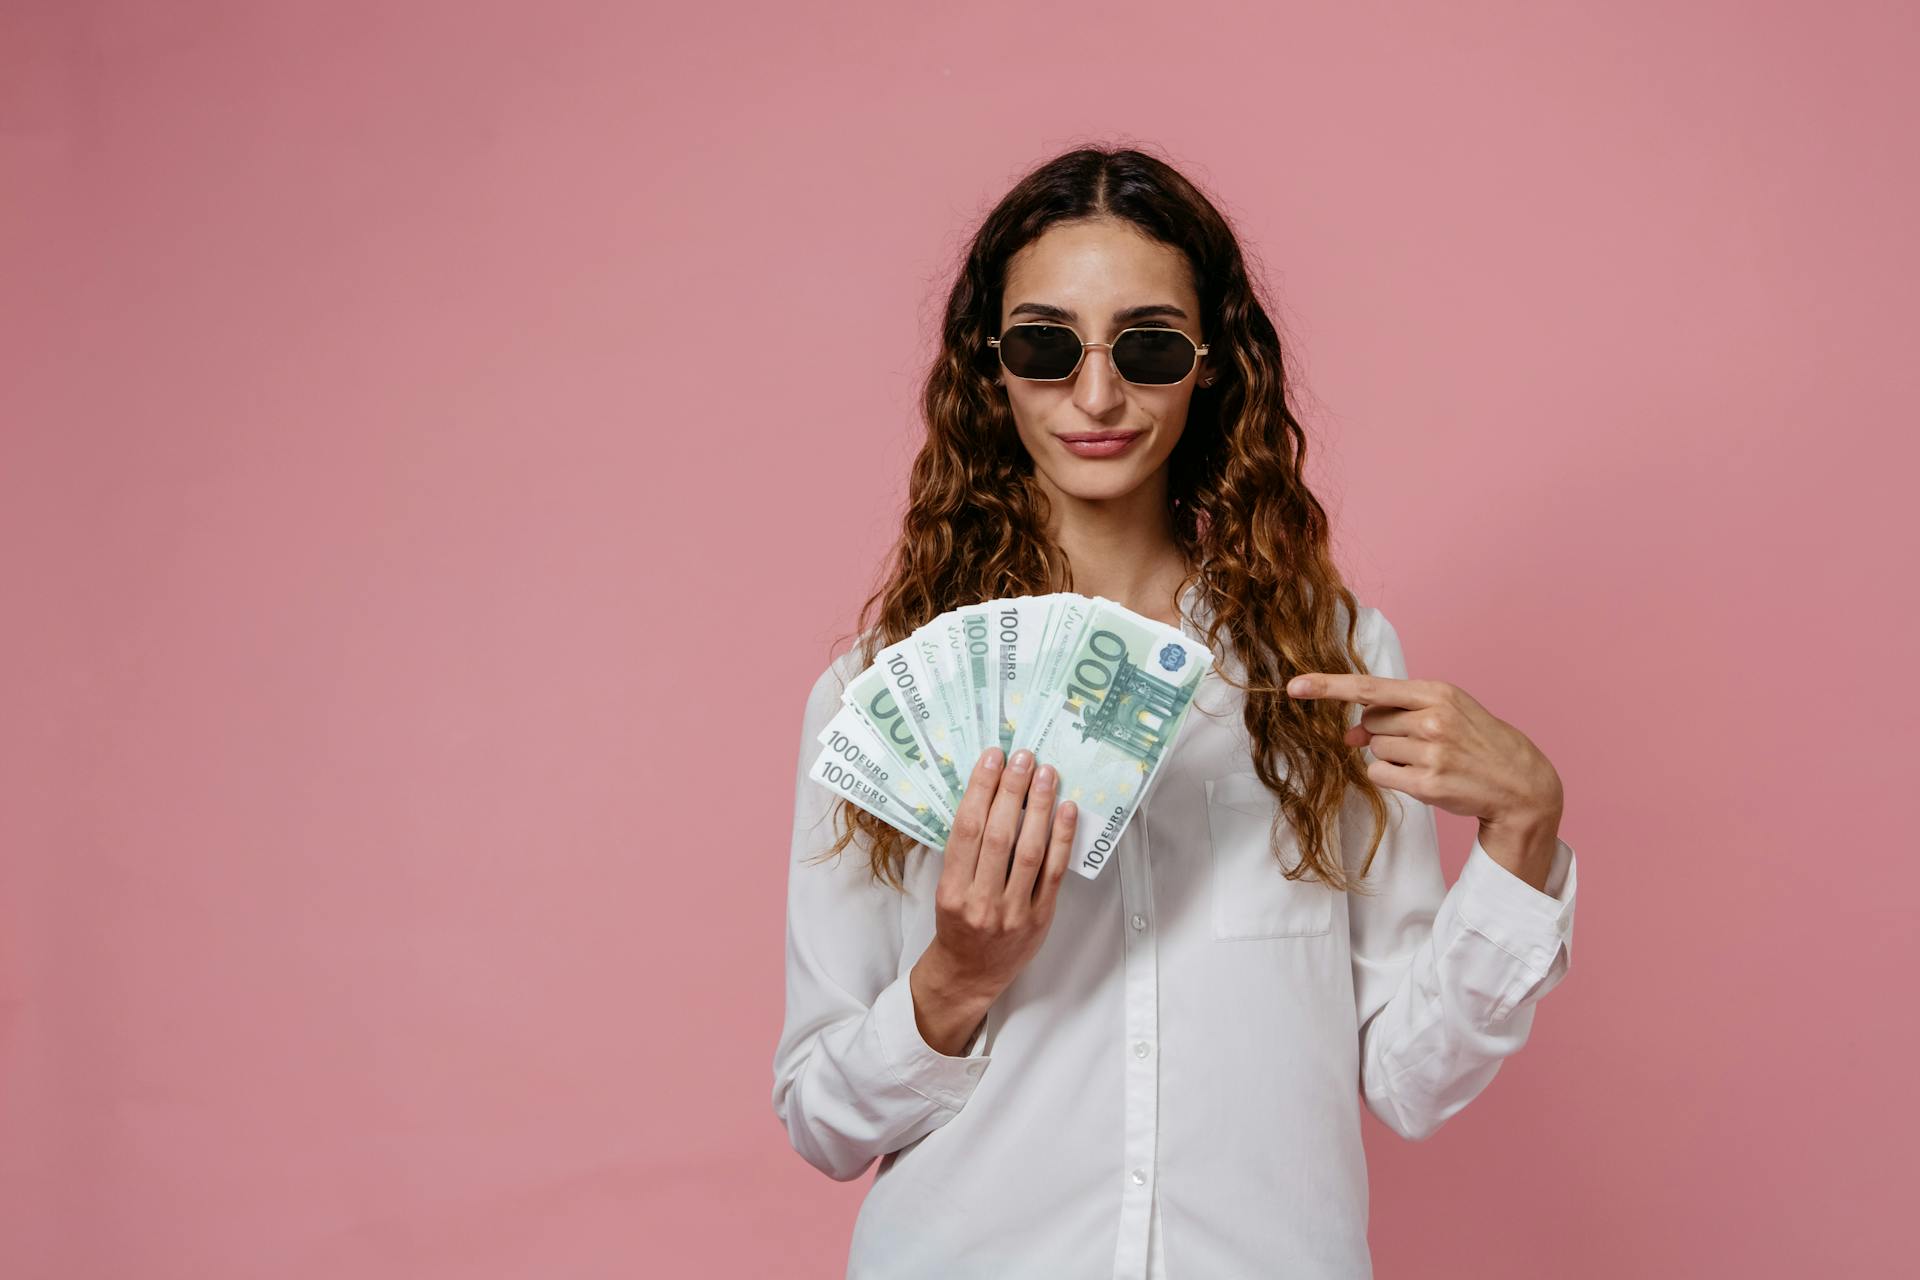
{"x":1093,"y":481}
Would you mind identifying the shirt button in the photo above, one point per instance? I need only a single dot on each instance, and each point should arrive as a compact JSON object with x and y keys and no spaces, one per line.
{"x":1139,"y":921}
{"x":973,"y":1068}
{"x":1139,"y":1178}
{"x":1140,"y":1050}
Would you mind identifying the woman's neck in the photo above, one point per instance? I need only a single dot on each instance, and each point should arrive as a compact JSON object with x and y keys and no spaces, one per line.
{"x":1123,"y":549}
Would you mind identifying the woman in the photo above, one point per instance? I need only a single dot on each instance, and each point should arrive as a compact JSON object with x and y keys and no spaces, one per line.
{"x":1157,"y":1071}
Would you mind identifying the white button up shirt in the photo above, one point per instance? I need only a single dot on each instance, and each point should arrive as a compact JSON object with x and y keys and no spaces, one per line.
{"x":1172,"y":1085}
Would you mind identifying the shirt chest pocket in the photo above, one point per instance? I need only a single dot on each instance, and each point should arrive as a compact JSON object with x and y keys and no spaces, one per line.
{"x":1251,"y":898}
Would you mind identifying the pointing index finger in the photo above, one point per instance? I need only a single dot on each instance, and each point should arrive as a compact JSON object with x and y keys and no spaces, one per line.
{"x":1374,"y":691}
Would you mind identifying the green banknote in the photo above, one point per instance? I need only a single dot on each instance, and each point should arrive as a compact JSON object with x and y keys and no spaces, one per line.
{"x":907,"y":703}
{"x":935,"y":651}
{"x":895,"y":711}
{"x":1117,"y":707}
{"x":1091,"y":687}
{"x":1064,"y":620}
{"x":1015,"y":630}
{"x":857,"y":766}
{"x":974,"y":627}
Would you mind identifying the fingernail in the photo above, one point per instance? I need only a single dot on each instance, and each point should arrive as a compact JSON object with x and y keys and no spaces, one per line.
{"x":1045,"y":775}
{"x":993,"y":757}
{"x":1022,"y":758}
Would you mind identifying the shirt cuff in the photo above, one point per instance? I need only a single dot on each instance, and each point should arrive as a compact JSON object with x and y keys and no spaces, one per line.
{"x":1526,"y":923}
{"x":938,"y":1077}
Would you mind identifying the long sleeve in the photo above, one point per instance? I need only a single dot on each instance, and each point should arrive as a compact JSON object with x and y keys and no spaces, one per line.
{"x":852,"y":1076}
{"x":1445,"y":981}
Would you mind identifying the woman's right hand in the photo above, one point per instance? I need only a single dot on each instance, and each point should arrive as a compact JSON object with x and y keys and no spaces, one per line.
{"x":1002,"y":873}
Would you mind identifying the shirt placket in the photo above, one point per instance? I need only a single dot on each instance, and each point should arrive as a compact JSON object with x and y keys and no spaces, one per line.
{"x":1141,"y":1050}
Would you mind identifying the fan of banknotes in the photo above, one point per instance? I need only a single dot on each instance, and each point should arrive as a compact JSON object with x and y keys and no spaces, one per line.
{"x":1088,"y":685}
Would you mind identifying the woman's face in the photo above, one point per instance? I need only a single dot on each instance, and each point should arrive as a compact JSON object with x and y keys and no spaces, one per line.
{"x":1100,"y":276}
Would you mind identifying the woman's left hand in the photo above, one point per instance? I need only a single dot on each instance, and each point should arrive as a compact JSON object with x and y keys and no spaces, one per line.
{"x":1435,"y":742}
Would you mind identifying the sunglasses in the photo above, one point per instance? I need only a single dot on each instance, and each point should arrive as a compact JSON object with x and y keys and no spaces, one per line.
{"x":1149,"y":357}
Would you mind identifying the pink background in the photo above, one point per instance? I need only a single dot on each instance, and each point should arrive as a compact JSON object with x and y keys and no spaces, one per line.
{"x":440,"y":442}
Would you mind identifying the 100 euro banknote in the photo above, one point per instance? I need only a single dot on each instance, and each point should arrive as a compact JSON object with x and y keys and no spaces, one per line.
{"x":1116,"y":707}
{"x":1089,"y":686}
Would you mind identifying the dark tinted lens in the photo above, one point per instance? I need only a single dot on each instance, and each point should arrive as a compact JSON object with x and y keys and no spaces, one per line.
{"x":1155,"y":356}
{"x":1039,"y":350}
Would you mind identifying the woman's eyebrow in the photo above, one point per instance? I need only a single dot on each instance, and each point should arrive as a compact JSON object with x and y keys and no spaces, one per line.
{"x":1124,"y":316}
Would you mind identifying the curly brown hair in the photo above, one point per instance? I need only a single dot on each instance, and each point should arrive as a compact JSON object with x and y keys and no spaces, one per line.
{"x":1256,"y":539}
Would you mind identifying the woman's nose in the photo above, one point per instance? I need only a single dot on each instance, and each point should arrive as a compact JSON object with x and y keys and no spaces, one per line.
{"x":1099,"y":382}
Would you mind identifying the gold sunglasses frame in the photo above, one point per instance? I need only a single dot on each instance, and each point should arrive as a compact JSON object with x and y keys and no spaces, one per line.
{"x":1199,"y":349}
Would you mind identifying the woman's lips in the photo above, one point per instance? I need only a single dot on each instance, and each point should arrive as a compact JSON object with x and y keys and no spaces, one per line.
{"x":1099,"y":444}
